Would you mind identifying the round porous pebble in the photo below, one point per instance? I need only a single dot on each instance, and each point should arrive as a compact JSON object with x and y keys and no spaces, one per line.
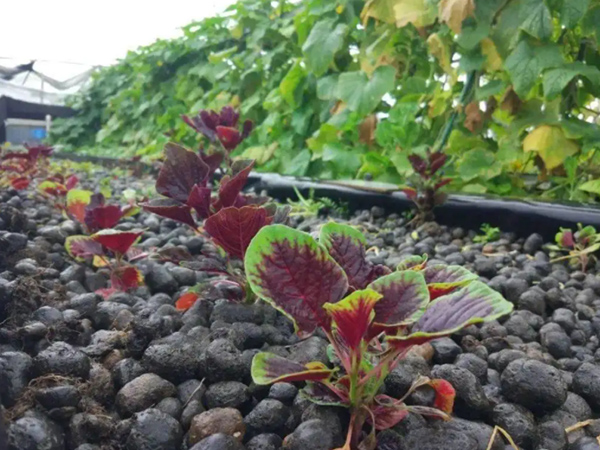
{"x":537,"y":386}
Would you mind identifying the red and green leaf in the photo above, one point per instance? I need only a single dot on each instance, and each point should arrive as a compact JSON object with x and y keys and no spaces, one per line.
{"x":81,"y":247}
{"x":387,"y":412}
{"x":346,"y":245}
{"x":233,"y":228}
{"x":290,"y":270}
{"x":124,"y":278}
{"x":186,"y":301}
{"x":180,"y":172}
{"x":268,"y":368}
{"x":404,"y":298}
{"x":20,"y":183}
{"x":77,"y":201}
{"x":332,"y":394}
{"x":352,"y":316}
{"x":442,"y":279}
{"x":444,"y":395}
{"x":471,"y":304}
{"x":52,"y":188}
{"x":170,"y":209}
{"x":117,"y":241}
{"x":413,"y":262}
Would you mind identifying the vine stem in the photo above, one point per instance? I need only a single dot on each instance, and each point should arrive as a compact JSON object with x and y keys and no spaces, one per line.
{"x":466,"y":91}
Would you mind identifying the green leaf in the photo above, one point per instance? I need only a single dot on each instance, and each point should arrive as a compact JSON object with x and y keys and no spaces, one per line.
{"x":346,"y":160}
{"x":478,"y":163}
{"x":591,"y":186}
{"x":298,"y":165}
{"x":325,"y":39}
{"x":555,"y":80}
{"x":572,"y":11}
{"x":292,"y":83}
{"x":590,"y":25}
{"x":536,"y":18}
{"x":326,"y":87}
{"x":527,"y":61}
{"x":493,"y":87}
{"x":362,"y":94}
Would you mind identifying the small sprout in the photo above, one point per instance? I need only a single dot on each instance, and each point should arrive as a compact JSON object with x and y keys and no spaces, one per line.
{"x":489,"y":234}
{"x":579,"y":246}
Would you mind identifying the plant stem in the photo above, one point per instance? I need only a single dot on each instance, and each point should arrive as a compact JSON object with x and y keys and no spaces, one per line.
{"x":467,"y":88}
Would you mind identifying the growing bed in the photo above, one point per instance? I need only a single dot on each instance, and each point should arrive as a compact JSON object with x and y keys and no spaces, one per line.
{"x":131,"y":371}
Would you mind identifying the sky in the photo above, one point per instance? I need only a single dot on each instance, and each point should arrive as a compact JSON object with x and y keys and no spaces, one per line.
{"x":58,"y":32}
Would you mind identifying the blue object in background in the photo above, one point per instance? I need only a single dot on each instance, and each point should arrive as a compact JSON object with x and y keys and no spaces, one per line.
{"x":38,"y":133}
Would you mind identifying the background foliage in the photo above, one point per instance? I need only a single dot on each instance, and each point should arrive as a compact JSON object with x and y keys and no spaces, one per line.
{"x":348,"y":88}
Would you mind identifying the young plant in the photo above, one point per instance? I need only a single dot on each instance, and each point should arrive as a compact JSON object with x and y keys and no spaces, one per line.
{"x":18,"y":169}
{"x":427,"y":182}
{"x":186,"y":182}
{"x":371,"y":317}
{"x":579,"y":246}
{"x":56,"y":189}
{"x":92,"y":211}
{"x":113,"y":249}
{"x":489,"y":234}
{"x":311,"y":206}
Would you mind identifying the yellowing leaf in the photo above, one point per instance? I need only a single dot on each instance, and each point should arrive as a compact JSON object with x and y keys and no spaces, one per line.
{"x":551,"y":144}
{"x":401,"y":12}
{"x":440,"y":51}
{"x":453,"y":12}
{"x":493,"y":60}
{"x":417,"y":12}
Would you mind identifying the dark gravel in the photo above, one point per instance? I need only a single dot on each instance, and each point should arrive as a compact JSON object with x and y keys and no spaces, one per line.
{"x":133,"y":373}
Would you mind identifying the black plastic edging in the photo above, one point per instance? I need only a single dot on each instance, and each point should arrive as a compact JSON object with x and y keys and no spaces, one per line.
{"x":523,"y":217}
{"x":468,"y":211}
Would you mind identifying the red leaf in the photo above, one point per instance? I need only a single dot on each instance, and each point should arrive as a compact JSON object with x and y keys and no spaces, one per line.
{"x":186,"y":301}
{"x":410,"y":193}
{"x":231,"y":186}
{"x":290,"y":270}
{"x":444,"y":395}
{"x":71,"y":182}
{"x":352,"y":316}
{"x":117,"y":241}
{"x":102,"y":217}
{"x":179,"y":173}
{"x":213,"y":161}
{"x":199,"y":199}
{"x":387,"y":412}
{"x":171,"y":209}
{"x":233,"y":228}
{"x":125,"y":278}
{"x":442,"y":183}
{"x":20,"y":183}
{"x":229,"y":137}
{"x":346,"y":246}
{"x":106,"y":292}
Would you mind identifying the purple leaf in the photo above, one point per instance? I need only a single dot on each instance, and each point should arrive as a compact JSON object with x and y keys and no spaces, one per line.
{"x":268,"y":368}
{"x":171,"y":209}
{"x":474,"y":303}
{"x":346,"y":245}
{"x":233,"y":228}
{"x":199,"y":199}
{"x":442,"y":279}
{"x":405,"y":297}
{"x":231,"y":186}
{"x":294,"y":273}
{"x":180,"y":172}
